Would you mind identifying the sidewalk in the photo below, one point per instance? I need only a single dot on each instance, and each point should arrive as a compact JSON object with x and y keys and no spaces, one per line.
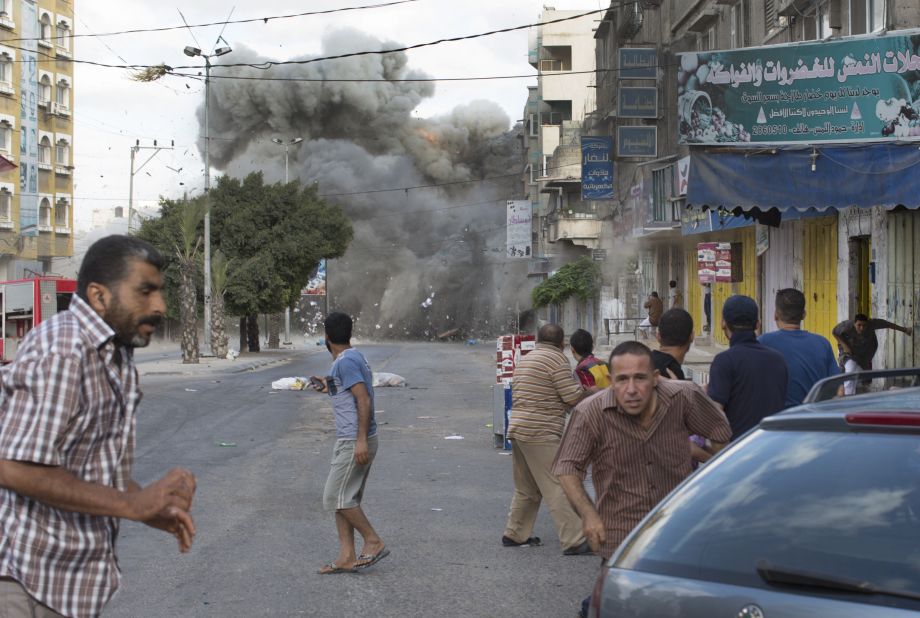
{"x":165,"y":358}
{"x":696,"y":364}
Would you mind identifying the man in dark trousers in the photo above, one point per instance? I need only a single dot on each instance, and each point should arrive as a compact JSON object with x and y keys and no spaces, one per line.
{"x":748,"y":379}
{"x":859,"y":335}
{"x":67,"y":428}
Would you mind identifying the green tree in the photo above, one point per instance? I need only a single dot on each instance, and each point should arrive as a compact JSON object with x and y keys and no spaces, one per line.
{"x":177,"y":235}
{"x":579,"y":278}
{"x":275,"y":235}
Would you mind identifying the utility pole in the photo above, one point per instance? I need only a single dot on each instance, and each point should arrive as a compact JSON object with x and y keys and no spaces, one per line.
{"x":134,"y":150}
{"x":192,"y":52}
{"x":287,"y":147}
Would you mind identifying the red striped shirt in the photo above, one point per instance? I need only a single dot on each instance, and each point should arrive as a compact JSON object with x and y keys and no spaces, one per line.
{"x":634,"y":468}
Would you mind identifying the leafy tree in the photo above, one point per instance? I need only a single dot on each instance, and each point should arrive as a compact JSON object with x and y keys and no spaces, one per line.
{"x":275,"y":235}
{"x":579,"y":278}
{"x":177,"y":235}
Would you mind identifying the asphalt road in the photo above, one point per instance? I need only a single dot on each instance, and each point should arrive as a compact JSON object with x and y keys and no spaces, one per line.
{"x":440,"y":505}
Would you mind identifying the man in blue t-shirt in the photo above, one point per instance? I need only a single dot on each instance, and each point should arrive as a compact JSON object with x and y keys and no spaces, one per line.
{"x":809,"y":357}
{"x":748,"y":379}
{"x":350,"y":385}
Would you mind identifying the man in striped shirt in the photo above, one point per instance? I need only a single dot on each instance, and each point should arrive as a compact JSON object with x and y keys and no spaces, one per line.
{"x":543,"y":389}
{"x":635,"y":435}
{"x":67,"y":421}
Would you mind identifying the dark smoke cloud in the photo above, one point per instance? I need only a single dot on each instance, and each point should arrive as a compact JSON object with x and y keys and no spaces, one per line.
{"x":441,"y":247}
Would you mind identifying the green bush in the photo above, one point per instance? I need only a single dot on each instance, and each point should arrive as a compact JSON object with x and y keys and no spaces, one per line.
{"x":578,"y":278}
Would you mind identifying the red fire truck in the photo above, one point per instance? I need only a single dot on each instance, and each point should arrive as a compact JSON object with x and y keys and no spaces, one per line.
{"x":26,"y":303}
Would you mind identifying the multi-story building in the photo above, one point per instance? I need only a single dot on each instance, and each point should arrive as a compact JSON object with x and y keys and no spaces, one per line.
{"x":781,"y":132}
{"x":563,"y":226}
{"x":36,"y":135}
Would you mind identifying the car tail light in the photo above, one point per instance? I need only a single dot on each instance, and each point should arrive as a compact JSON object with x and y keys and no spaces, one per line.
{"x":595,"y":610}
{"x":889,"y":419}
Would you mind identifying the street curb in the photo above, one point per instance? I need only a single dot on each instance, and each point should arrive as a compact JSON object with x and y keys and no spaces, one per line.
{"x":200,"y":369}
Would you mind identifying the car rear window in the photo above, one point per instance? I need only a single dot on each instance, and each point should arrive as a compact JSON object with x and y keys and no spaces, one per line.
{"x":840,"y":504}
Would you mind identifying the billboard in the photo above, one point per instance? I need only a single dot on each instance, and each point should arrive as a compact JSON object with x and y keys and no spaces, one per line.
{"x":637,"y":102}
{"x":519,"y":236}
{"x":28,"y":123}
{"x":317,"y":284}
{"x":637,"y":141}
{"x":851,"y":89}
{"x":637,"y":62}
{"x":597,"y":168}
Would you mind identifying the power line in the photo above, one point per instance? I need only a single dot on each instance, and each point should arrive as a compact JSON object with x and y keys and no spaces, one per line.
{"x":235,"y":21}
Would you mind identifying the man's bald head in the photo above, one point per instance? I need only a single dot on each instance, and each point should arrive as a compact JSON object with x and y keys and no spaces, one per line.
{"x":552,"y":334}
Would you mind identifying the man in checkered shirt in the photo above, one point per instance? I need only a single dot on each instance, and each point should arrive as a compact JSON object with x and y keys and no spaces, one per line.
{"x":67,"y":422}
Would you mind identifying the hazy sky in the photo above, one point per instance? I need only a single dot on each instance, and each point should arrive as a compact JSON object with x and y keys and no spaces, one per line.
{"x":112,"y":111}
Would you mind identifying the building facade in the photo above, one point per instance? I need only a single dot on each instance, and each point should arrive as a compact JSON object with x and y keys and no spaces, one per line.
{"x":831,"y":215}
{"x":36,"y":135}
{"x":564,"y":227}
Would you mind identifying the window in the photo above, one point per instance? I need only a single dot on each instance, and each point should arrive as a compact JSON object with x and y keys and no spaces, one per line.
{"x":556,"y":58}
{"x":62,"y":214}
{"x":44,"y":27}
{"x":6,"y":136}
{"x":62,"y":154}
{"x":44,"y":213}
{"x":44,"y":89}
{"x":769,"y":14}
{"x":875,"y":15}
{"x":62,"y":96}
{"x":662,"y":191}
{"x":823,"y":21}
{"x":706,"y":40}
{"x":44,"y":151}
{"x":741,"y":24}
{"x":6,"y":206}
{"x":532,"y":125}
{"x":63,"y":35}
{"x":835,"y":503}
{"x":6,"y":69}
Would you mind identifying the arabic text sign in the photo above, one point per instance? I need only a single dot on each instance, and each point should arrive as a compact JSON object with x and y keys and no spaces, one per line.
{"x":637,"y":141}
{"x":519,"y":232}
{"x":28,"y":130}
{"x":859,"y":88}
{"x":635,"y":102}
{"x":637,"y":62}
{"x":597,"y":168}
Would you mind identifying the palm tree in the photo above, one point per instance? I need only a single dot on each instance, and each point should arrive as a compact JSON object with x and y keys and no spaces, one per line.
{"x":220,"y":268}
{"x":187,"y":247}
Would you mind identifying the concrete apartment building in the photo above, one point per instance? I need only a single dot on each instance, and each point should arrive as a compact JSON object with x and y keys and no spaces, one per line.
{"x":36,"y":135}
{"x":563,"y":226}
{"x":828,"y":206}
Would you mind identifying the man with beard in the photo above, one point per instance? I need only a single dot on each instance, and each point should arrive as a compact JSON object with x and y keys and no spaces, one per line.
{"x":67,"y":423}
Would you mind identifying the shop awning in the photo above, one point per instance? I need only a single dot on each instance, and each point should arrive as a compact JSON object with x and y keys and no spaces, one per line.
{"x":6,"y":165}
{"x":756,"y":180}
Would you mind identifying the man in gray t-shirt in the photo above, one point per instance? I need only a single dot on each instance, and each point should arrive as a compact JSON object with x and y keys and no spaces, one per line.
{"x":350,"y":385}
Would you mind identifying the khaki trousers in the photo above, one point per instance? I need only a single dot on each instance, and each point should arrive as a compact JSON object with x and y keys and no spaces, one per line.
{"x":15,"y":602}
{"x":534,"y":480}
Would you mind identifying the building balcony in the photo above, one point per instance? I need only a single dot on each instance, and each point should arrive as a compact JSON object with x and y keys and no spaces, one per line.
{"x":6,"y":22}
{"x":45,"y":228}
{"x":62,"y":229}
{"x":7,"y":88}
{"x":579,"y":231}
{"x":62,"y":170}
{"x":62,"y":52}
{"x":45,"y":166}
{"x":6,"y":224}
{"x":60,"y":109}
{"x":45,"y":43}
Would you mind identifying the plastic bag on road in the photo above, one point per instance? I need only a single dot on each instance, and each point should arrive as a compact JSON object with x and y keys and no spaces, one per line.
{"x":388,"y":379}
{"x":290,"y":384}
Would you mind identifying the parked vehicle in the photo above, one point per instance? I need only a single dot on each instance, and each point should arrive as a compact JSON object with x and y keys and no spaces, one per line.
{"x":816,"y":512}
{"x":25,"y":303}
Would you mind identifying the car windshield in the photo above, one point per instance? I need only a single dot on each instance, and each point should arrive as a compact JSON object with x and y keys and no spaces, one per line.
{"x":840,"y":504}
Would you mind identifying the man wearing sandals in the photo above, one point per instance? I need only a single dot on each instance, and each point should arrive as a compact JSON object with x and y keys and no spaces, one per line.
{"x":350,"y":384}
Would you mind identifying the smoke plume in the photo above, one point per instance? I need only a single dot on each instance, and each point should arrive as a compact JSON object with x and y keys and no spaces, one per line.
{"x":424,"y":260}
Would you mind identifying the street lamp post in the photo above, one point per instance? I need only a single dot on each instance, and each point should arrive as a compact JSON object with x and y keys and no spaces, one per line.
{"x":192,"y":52}
{"x":287,"y":147}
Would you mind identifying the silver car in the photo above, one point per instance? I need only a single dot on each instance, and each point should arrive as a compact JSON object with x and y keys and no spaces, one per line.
{"x":816,"y":512}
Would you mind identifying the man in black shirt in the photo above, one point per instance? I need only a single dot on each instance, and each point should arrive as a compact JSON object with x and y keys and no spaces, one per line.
{"x":859,"y":336}
{"x":675,"y":334}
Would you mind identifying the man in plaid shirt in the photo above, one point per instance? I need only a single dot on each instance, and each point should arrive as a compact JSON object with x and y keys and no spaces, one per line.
{"x":67,"y":422}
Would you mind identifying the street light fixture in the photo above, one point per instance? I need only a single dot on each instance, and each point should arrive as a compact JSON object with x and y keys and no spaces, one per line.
{"x":287,"y":146}
{"x":192,"y":52}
